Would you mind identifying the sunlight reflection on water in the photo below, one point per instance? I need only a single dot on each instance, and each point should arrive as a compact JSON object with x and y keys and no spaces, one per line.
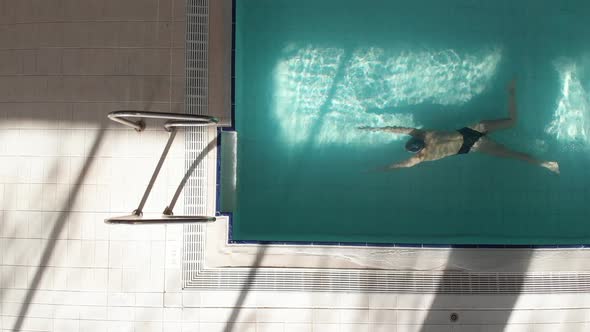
{"x":571,"y":120}
{"x":324,"y":90}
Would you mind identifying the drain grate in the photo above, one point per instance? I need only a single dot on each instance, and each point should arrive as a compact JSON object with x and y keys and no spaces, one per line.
{"x":196,"y":101}
{"x":395,"y":282}
{"x":196,"y":56}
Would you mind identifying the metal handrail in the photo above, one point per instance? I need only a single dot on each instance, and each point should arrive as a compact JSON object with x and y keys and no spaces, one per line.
{"x":175,"y":121}
{"x":133,"y":219}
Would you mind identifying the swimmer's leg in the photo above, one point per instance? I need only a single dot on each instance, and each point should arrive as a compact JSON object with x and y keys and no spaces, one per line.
{"x":487,"y":126}
{"x":490,"y":147}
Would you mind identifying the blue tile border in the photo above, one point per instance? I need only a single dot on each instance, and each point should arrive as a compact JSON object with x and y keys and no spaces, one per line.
{"x":230,"y":240}
{"x":233,"y":67}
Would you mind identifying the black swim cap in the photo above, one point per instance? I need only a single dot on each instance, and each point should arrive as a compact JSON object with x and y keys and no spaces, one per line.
{"x":415,"y":145}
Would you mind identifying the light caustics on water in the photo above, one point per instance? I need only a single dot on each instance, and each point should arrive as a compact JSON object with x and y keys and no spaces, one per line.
{"x":571,"y":119}
{"x":323,"y":94}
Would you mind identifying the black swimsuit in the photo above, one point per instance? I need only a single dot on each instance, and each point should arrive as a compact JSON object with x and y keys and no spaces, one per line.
{"x":470,"y":136}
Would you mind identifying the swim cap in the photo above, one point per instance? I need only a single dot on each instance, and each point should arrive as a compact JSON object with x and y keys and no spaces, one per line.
{"x":415,"y":145}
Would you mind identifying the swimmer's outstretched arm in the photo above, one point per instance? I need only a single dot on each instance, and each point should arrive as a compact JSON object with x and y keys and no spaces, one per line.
{"x":403,"y":164}
{"x":395,"y":130}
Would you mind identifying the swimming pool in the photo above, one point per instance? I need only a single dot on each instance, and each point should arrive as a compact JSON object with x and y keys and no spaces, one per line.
{"x":307,"y":73}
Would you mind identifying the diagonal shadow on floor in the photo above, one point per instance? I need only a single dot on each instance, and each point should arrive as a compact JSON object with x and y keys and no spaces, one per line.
{"x":248,"y":284}
{"x":58,"y":226}
{"x":449,"y":289}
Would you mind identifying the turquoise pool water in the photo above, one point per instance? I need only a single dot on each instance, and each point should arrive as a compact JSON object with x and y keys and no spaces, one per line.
{"x":309,"y":72}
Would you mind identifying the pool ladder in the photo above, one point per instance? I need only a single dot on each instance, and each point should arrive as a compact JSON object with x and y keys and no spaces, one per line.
{"x":173,"y":122}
